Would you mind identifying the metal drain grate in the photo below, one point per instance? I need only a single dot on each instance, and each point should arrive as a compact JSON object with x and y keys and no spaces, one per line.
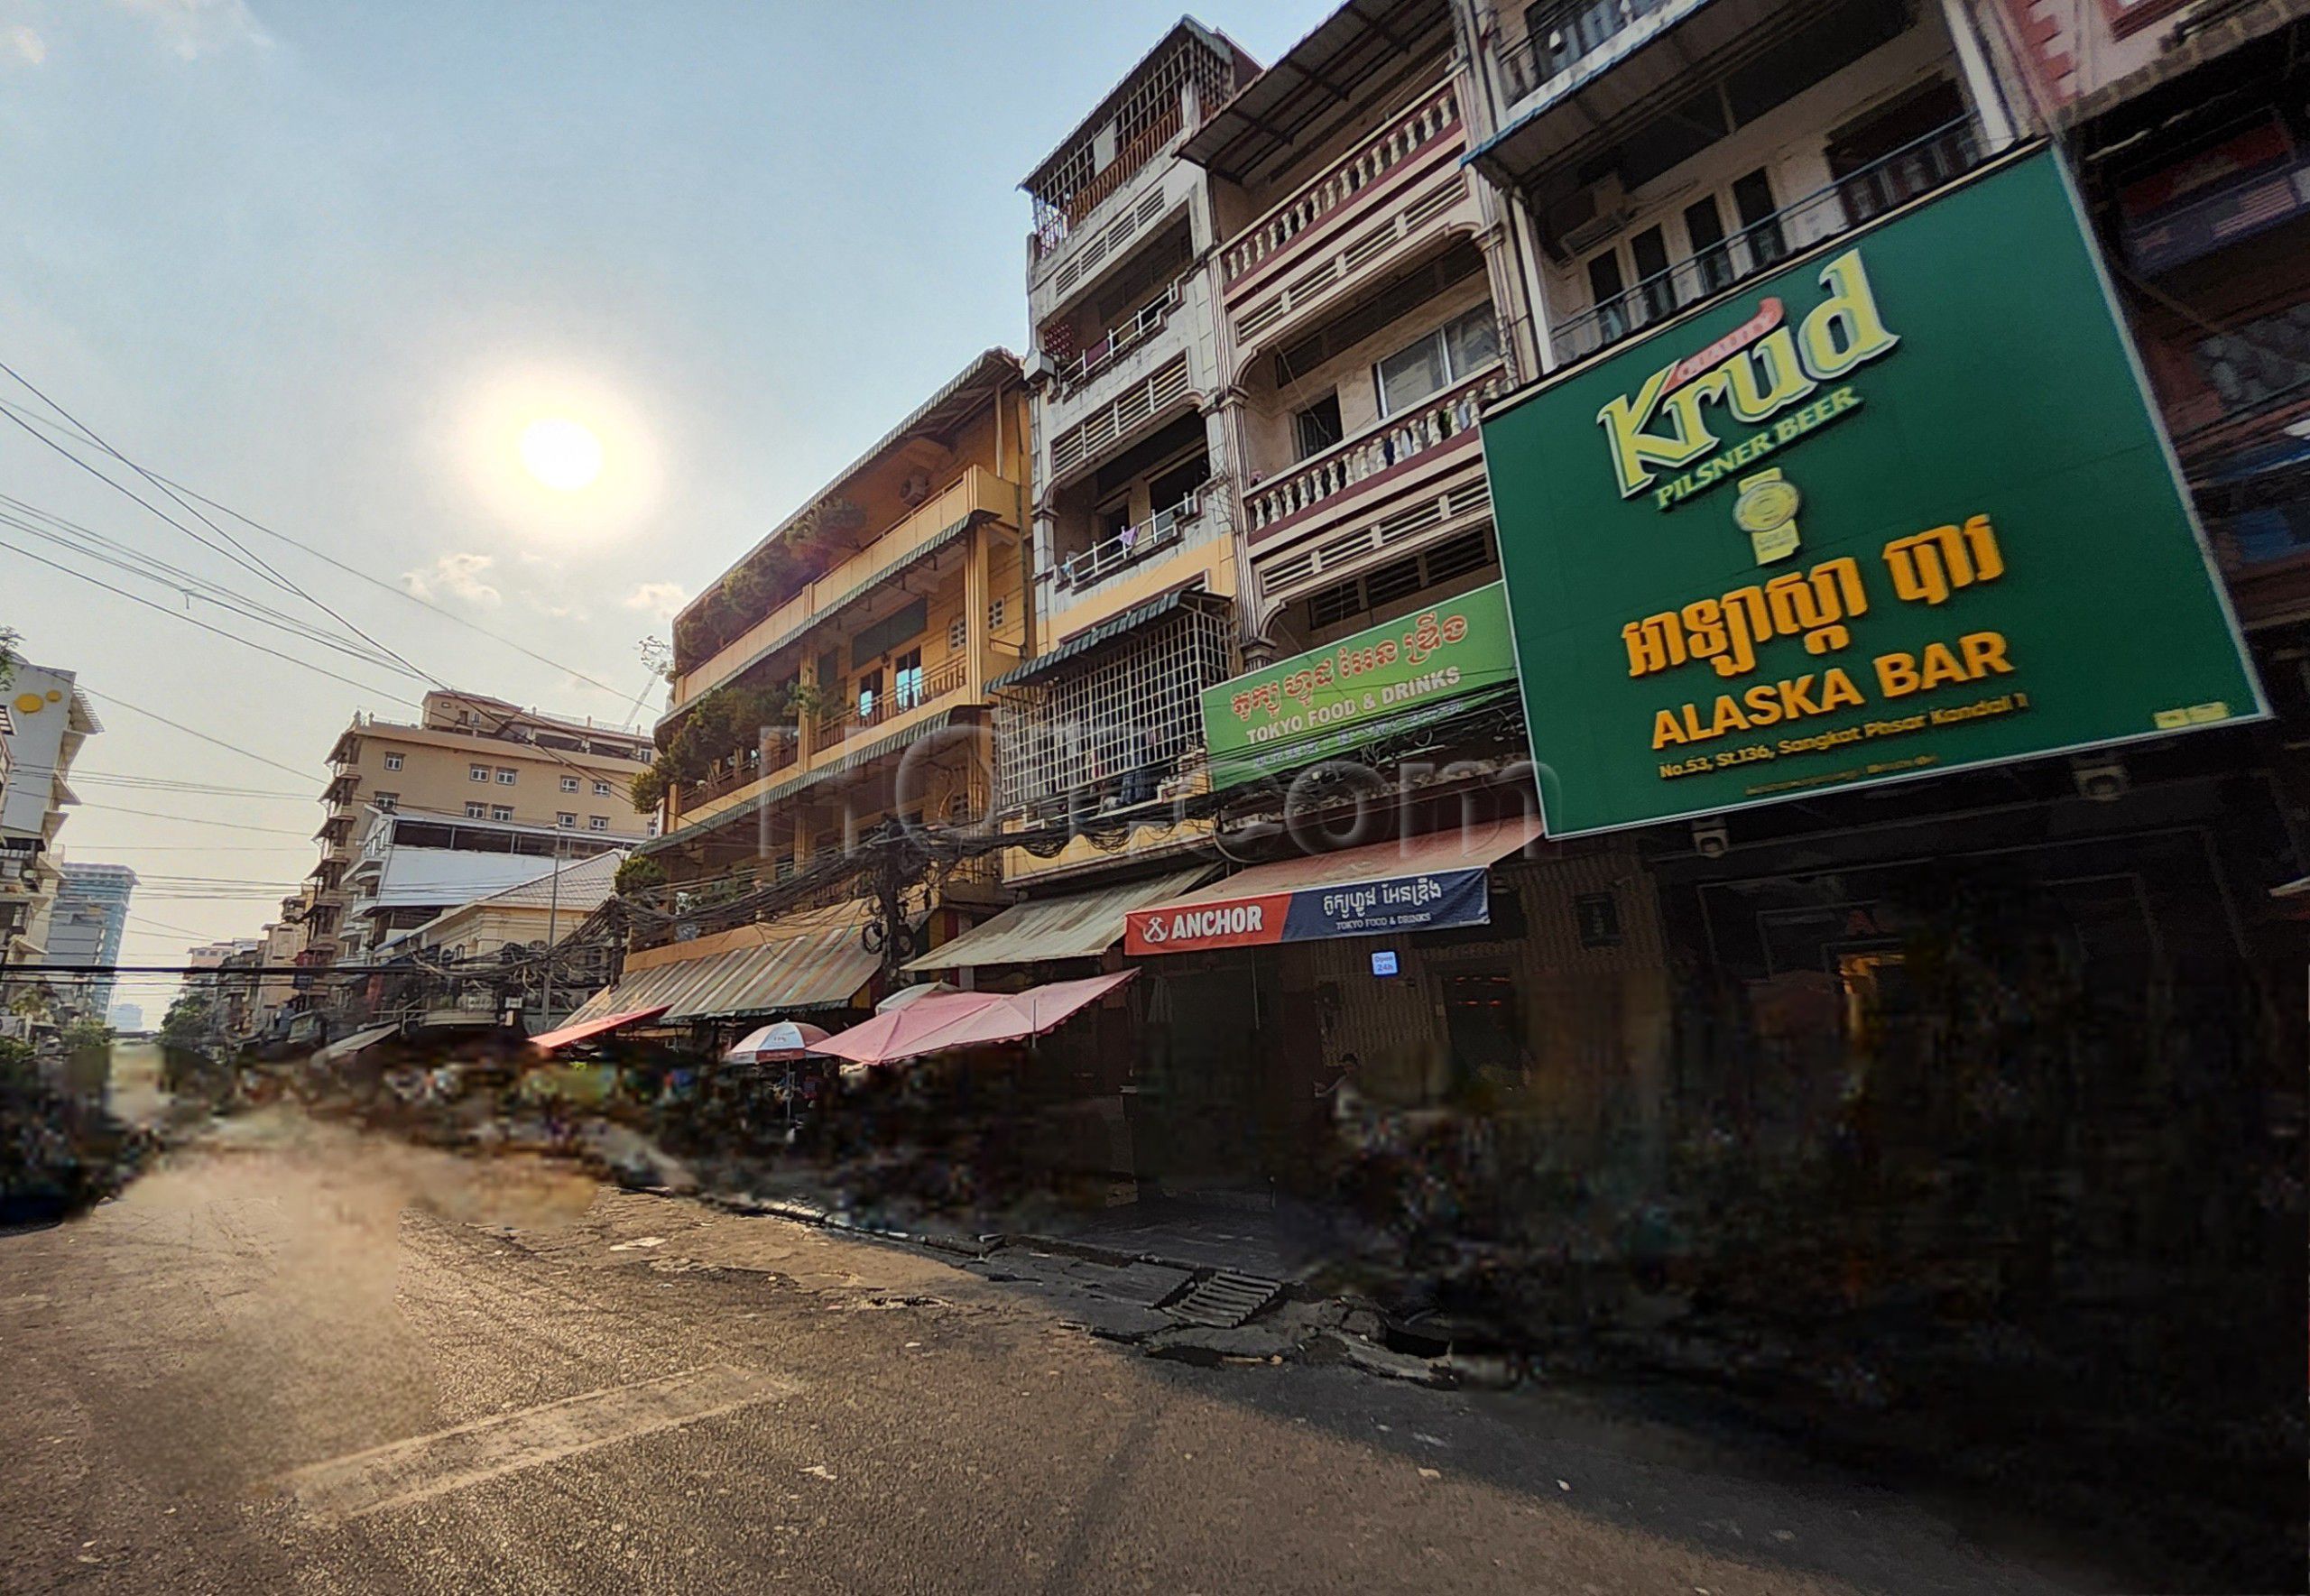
{"x":1224,"y":1300}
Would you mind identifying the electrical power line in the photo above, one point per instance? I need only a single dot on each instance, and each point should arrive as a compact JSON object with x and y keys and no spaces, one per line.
{"x":187,"y":731}
{"x":203,"y":626}
{"x":195,"y":496}
{"x":196,"y":820}
{"x":92,"y":544}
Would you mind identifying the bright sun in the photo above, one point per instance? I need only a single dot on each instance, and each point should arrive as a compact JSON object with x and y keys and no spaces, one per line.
{"x":560,"y":452}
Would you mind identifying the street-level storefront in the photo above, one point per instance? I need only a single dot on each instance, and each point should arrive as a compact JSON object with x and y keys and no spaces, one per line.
{"x":1862,"y":609}
{"x":1083,"y":1078}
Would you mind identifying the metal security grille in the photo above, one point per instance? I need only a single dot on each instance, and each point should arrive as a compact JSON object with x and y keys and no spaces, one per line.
{"x":1110,"y":732}
{"x":1138,"y":121}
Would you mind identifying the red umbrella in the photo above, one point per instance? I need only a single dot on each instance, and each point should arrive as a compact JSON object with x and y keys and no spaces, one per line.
{"x":967,"y":1019}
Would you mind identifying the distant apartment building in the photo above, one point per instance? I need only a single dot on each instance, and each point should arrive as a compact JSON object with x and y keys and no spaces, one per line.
{"x":472,"y":777}
{"x":47,"y":719}
{"x":125,"y":1017}
{"x":86,"y":926}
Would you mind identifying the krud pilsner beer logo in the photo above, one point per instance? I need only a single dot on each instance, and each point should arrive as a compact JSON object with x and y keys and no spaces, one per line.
{"x":1765,"y":368}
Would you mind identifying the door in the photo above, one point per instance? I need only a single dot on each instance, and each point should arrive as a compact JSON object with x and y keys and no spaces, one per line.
{"x":1605,"y":284}
{"x":1650,"y":249}
{"x":1759,"y":223}
{"x":1484,"y":1024}
{"x":1712,"y":261}
{"x":906,"y":680}
{"x":1900,"y":151}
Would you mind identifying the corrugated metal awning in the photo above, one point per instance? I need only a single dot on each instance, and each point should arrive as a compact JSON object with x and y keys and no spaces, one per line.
{"x":811,"y":959}
{"x":1075,"y":925}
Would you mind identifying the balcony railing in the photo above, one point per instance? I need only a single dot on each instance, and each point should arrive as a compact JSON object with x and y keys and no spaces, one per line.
{"x":1939,"y":158}
{"x":1564,"y":34}
{"x":901,"y":697}
{"x":1127,"y":547}
{"x":1436,"y":114}
{"x":1121,"y":340}
{"x":1395,"y":441}
{"x":751,"y":765}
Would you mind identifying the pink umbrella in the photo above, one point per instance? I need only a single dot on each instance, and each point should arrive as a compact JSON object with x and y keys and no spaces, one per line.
{"x":968,"y":1019}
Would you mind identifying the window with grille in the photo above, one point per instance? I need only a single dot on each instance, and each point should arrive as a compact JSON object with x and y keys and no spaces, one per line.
{"x":506,"y":778}
{"x":476,"y":772}
{"x":393,"y":761}
{"x":477,"y":811}
{"x":958,"y":635}
{"x":566,"y":820}
{"x":601,"y":790}
{"x":570,"y":784}
{"x":994,"y":614}
{"x":501,"y":811}
{"x":597,"y":823}
{"x":1108,"y":732}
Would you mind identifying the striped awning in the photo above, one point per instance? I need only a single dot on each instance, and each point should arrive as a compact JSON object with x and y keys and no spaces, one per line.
{"x":1072,"y":926}
{"x":808,"y":960}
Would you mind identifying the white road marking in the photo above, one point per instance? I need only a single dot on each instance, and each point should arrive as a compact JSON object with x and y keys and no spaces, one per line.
{"x":417,"y":1470}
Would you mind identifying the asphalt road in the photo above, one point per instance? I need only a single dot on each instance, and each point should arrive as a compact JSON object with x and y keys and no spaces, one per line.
{"x":294,"y":1360}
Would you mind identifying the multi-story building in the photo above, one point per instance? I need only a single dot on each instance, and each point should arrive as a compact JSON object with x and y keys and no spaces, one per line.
{"x":47,"y":720}
{"x":1655,"y":154}
{"x":1136,"y":571}
{"x":834,"y":680}
{"x":2193,"y":151}
{"x":86,"y":926}
{"x":410,"y":864}
{"x":1334,"y":300}
{"x":277,"y":991}
{"x":474,"y":768}
{"x":1371,"y":304}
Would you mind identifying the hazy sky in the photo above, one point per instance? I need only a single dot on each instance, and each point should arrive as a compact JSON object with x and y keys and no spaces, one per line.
{"x":322,"y":261}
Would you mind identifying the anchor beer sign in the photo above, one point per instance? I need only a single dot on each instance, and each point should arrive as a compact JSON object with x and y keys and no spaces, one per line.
{"x":1900,"y":509}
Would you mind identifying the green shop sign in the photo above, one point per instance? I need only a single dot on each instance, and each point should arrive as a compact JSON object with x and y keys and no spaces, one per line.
{"x":1899,"y":508}
{"x":1383,"y":681}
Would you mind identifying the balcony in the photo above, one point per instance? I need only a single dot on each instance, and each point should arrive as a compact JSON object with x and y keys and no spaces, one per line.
{"x":1139,"y":405}
{"x":1448,"y":420}
{"x":1916,"y":169}
{"x":1575,"y":40}
{"x":1356,"y":216}
{"x":867,"y":712}
{"x":977,"y":492}
{"x":1159,"y":532}
{"x":1118,"y":341}
{"x":751,"y":766}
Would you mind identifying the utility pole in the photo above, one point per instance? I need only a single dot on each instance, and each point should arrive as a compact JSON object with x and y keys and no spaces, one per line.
{"x":552,"y":920}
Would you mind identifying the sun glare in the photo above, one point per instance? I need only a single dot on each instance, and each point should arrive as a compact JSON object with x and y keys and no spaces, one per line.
{"x":562,"y":454}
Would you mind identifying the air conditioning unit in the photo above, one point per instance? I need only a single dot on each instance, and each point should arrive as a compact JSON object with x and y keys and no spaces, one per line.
{"x":1587,"y":217}
{"x":1038,"y":366}
{"x":915,"y":489}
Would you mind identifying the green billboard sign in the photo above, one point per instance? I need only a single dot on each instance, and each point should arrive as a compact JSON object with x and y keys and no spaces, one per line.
{"x":1897,"y":508}
{"x":1380,"y":681}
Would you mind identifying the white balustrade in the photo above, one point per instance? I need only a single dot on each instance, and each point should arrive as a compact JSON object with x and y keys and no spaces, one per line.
{"x":1435,"y":114}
